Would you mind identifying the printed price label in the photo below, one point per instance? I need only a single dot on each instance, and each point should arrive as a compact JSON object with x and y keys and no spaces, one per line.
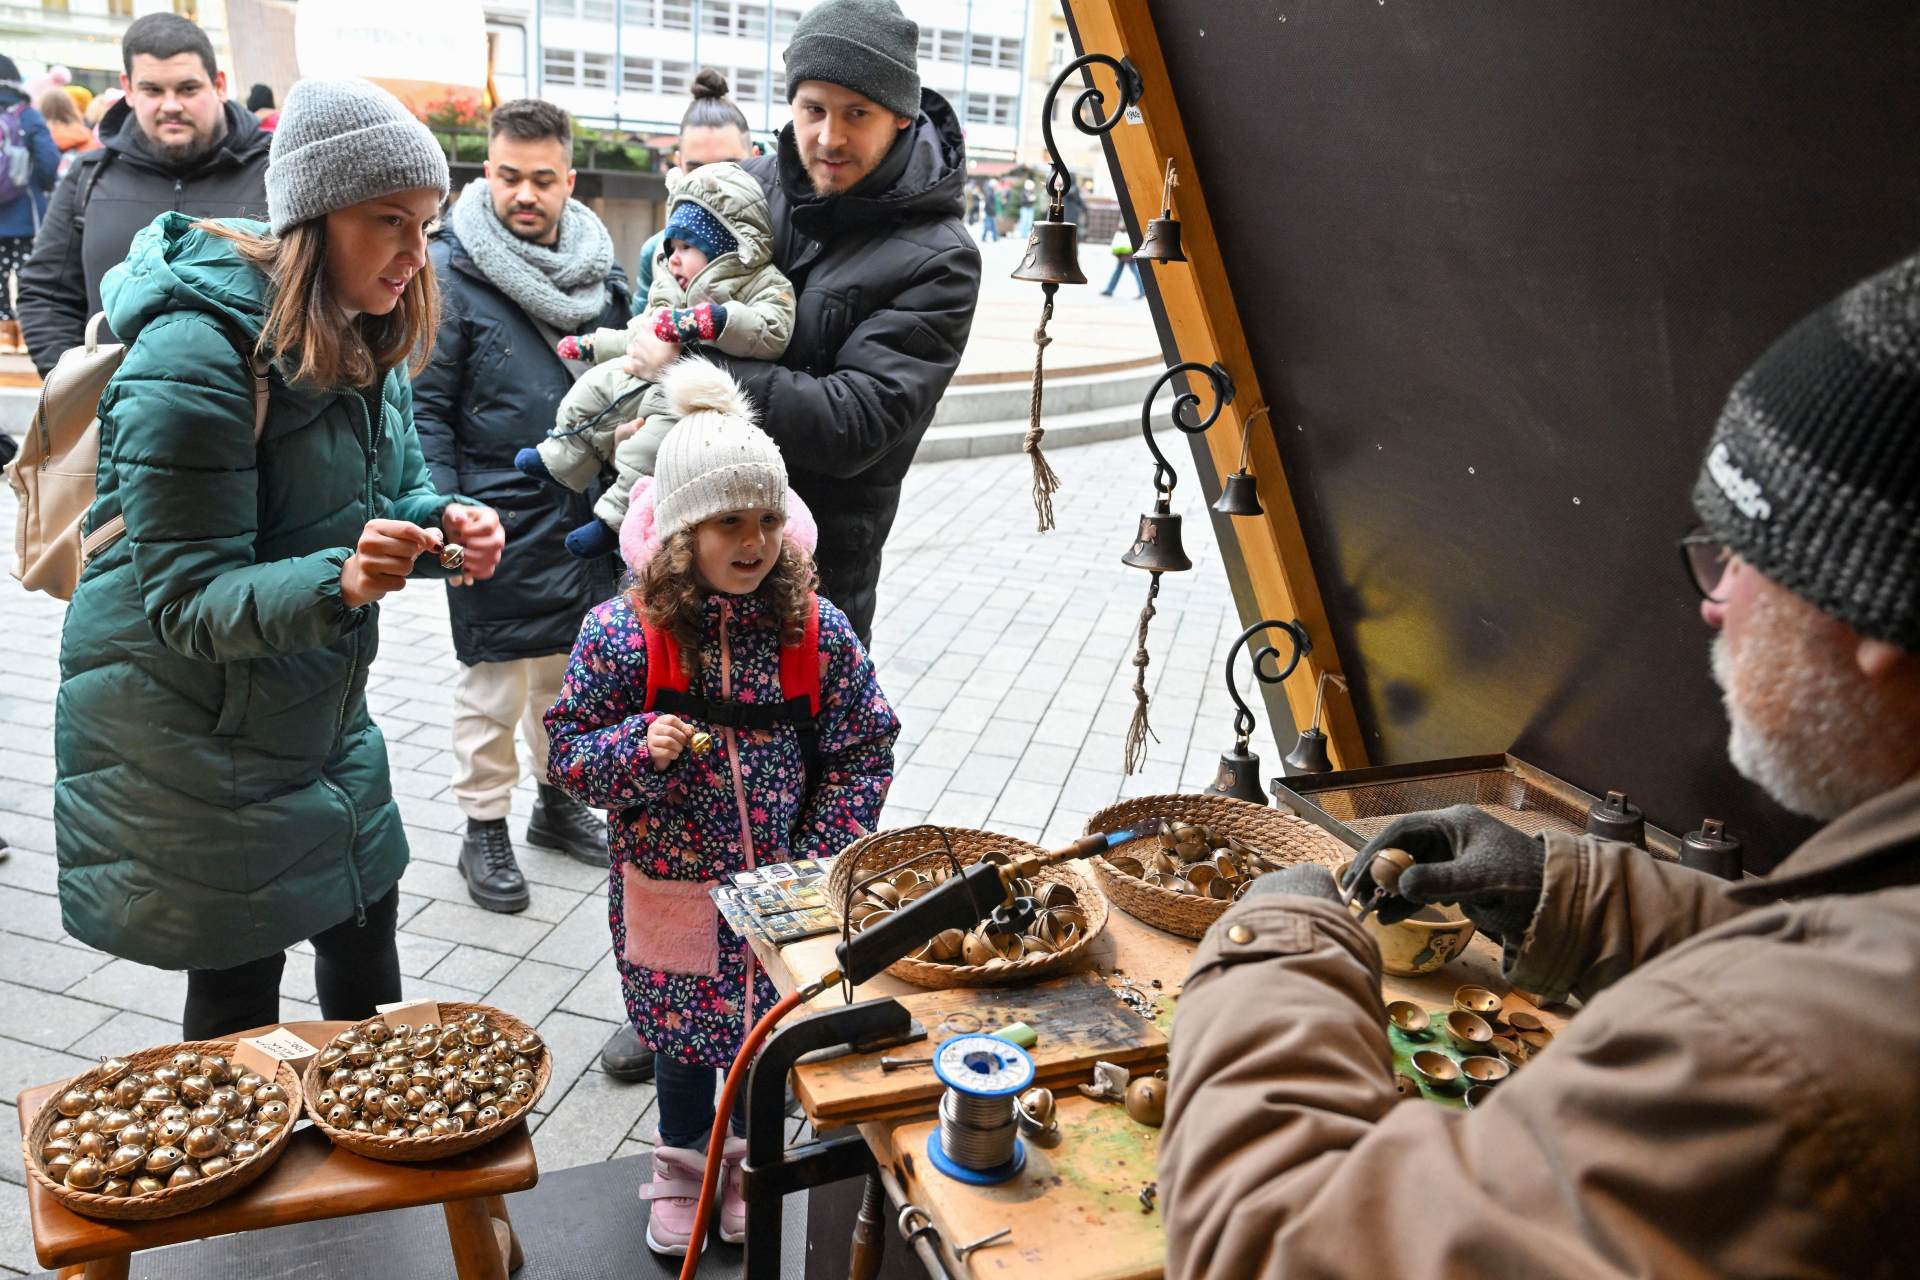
{"x":413,"y":1012}
{"x":1134,"y":116}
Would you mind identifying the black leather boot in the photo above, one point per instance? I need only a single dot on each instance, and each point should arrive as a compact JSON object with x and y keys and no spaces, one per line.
{"x":563,"y":824}
{"x":623,"y":1056}
{"x":486,"y":860}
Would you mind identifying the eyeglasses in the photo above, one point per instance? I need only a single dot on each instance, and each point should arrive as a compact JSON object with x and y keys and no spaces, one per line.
{"x":1705,"y":557}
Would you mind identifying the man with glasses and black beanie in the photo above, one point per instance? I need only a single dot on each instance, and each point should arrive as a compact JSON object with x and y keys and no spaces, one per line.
{"x":1740,"y":1094}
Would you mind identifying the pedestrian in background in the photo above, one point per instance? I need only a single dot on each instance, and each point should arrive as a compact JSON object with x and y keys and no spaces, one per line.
{"x":521,"y":264}
{"x":713,"y":129}
{"x":221,"y":792}
{"x":68,"y":127}
{"x":29,"y":166}
{"x":174,"y":141}
{"x":1122,"y":259}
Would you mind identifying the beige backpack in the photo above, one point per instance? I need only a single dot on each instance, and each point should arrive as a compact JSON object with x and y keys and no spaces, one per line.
{"x":53,"y":477}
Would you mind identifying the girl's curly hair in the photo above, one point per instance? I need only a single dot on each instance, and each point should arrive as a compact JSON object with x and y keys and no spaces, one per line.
{"x":668,"y":592}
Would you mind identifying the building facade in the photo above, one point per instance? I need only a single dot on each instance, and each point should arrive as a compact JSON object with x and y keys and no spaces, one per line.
{"x":84,"y":35}
{"x":637,"y":71}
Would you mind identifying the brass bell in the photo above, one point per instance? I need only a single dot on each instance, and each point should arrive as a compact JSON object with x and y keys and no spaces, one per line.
{"x":1162,"y":240}
{"x":1161,"y":243}
{"x":1239,"y":776}
{"x":1309,"y":754}
{"x":1239,"y":496}
{"x":1156,"y":547}
{"x":1053,"y":253}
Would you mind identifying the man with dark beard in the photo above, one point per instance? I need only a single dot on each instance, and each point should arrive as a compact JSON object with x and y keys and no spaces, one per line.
{"x":174,"y":142}
{"x":1739,"y":1095}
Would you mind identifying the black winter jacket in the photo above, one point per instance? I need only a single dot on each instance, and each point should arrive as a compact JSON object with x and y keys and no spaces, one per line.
{"x":887,"y":278}
{"x":107,"y":196}
{"x":492,"y":390}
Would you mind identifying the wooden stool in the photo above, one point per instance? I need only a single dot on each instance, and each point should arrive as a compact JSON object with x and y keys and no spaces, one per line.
{"x":312,"y":1180}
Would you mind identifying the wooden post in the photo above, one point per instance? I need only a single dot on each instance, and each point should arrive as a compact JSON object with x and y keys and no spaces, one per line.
{"x":1197,"y":297}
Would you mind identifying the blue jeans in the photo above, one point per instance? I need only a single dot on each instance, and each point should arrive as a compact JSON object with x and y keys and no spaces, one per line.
{"x":685,"y":1093}
{"x":1113,"y":281}
{"x":989,"y":228}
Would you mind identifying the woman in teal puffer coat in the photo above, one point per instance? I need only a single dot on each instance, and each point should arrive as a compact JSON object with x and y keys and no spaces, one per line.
{"x":222,"y":792}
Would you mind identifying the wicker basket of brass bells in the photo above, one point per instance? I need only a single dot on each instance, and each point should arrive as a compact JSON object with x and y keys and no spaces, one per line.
{"x":392,"y":1091}
{"x":1071,"y":913}
{"x":1210,"y":848}
{"x":160,"y":1132}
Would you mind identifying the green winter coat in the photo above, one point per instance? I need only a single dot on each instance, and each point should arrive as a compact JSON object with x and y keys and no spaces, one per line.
{"x":221,"y":791}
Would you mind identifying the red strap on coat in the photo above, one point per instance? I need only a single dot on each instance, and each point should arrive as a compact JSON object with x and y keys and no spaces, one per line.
{"x":800,"y":663}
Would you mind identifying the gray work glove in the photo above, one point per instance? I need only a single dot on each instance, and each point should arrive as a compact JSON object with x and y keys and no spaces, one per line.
{"x":1466,"y":856}
{"x":1307,"y":879}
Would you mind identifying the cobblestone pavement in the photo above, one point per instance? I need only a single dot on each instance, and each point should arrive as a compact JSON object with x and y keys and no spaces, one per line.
{"x":1006,"y":652}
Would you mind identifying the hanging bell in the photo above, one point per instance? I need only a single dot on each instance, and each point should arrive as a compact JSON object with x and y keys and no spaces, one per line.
{"x":1309,"y":754}
{"x":1239,"y":496}
{"x":1162,"y":241}
{"x":1053,"y":254}
{"x":1156,"y":548}
{"x":1239,"y":776}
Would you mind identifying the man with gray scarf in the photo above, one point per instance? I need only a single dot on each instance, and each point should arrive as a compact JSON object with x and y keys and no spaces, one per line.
{"x":522,"y":264}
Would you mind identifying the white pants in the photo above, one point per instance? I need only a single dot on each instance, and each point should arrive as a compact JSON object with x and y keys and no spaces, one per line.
{"x":488,"y":700}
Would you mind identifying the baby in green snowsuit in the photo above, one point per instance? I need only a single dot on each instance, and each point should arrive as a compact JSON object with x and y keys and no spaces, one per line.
{"x":714,"y":285}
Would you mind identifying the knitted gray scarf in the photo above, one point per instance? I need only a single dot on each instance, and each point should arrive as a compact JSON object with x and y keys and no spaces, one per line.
{"x":565,"y":284}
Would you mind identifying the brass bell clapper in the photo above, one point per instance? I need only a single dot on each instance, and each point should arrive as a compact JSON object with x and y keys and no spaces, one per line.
{"x":1239,"y":774}
{"x":1162,"y":240}
{"x":1053,"y":247}
{"x":1156,"y":547}
{"x":1309,"y":754}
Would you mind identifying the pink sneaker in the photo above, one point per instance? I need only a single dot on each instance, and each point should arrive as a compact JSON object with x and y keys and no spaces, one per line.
{"x":675,"y":1196}
{"x":733,"y":1200}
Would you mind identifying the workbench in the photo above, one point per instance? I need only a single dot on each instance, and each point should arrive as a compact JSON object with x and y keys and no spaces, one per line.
{"x":1076,"y":1209}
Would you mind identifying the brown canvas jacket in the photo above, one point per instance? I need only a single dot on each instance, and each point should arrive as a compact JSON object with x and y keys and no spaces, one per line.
{"x":1740,"y":1096}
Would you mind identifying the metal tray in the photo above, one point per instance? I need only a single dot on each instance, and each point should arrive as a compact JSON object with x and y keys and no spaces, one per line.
{"x":1357,"y":804}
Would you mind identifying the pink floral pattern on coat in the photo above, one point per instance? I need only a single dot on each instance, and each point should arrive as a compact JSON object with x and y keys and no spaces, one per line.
{"x":683,"y":822}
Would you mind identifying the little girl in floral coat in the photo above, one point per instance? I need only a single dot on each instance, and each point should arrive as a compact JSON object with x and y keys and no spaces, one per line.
{"x":722,"y":576}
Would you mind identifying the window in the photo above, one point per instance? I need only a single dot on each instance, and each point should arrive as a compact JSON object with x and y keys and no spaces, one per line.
{"x":676,"y":78}
{"x":980,"y":50}
{"x":926,"y":44}
{"x":979,"y":109}
{"x":1057,"y":54}
{"x":750,"y":84}
{"x":639,"y":13}
{"x":752,"y":21}
{"x":562,"y":8}
{"x":947,"y":46}
{"x":716,"y":17}
{"x":596,"y":70}
{"x":597,"y":10}
{"x":188,"y":9}
{"x":676,"y":15}
{"x":991,"y":108}
{"x":1008,"y":58}
{"x":784,"y":21}
{"x":560,"y":66}
{"x":509,"y":58}
{"x":639,"y":75}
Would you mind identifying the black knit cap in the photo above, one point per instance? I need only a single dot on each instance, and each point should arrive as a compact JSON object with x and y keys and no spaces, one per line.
{"x":867,"y":46}
{"x":1813,"y":472}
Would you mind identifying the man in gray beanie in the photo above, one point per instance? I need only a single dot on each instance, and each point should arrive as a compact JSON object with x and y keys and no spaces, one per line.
{"x":1738,"y":1095}
{"x":867,"y":188}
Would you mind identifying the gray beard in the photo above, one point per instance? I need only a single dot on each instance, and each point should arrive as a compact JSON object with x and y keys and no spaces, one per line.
{"x":1823,"y":759}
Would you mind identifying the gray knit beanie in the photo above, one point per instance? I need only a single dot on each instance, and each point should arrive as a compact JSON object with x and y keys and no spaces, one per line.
{"x":343,"y":141}
{"x":1813,"y":472}
{"x":715,"y":459}
{"x":867,"y":46}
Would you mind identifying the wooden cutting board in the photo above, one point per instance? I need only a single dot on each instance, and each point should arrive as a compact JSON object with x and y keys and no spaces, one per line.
{"x":1078,"y":1019}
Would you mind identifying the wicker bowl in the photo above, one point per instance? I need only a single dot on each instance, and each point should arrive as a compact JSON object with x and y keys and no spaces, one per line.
{"x":885,"y":849}
{"x":173,"y":1200}
{"x":1280,"y":837}
{"x":414,"y":1150}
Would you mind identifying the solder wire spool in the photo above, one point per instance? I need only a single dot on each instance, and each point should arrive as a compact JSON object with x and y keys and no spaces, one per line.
{"x":977,"y":1140}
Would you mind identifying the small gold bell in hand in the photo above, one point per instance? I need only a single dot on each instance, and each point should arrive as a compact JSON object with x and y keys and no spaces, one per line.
{"x":452,"y":555}
{"x":701,"y":742}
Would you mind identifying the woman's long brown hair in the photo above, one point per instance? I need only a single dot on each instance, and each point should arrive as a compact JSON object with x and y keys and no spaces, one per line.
{"x":669,"y":593}
{"x":304,"y":330}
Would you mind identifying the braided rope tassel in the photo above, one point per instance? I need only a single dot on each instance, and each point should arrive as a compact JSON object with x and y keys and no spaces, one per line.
{"x":1139,"y":730}
{"x":1045,"y":482}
